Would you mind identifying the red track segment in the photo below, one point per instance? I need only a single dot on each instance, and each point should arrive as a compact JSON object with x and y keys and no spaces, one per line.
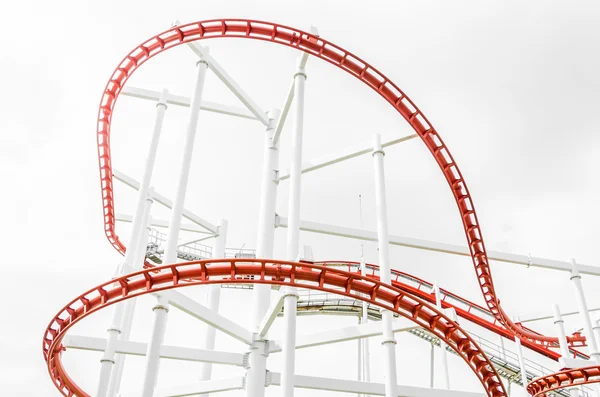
{"x":346,"y":61}
{"x":474,"y":312}
{"x":300,"y":275}
{"x":571,"y":377}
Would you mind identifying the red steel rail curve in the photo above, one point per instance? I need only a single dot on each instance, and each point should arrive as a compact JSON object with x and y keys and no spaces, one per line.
{"x":568,"y":378}
{"x":318,"y":47}
{"x":265,"y":271}
{"x":470,"y":311}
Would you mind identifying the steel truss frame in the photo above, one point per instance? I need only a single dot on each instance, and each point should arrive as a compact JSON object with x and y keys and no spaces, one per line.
{"x":352,"y":283}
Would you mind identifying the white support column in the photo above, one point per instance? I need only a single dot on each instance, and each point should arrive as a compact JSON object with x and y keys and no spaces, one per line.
{"x":108,"y":359}
{"x":366,"y":363}
{"x":583,"y":310}
{"x":257,"y":361}
{"x":438,"y":302}
{"x":597,"y":330}
{"x":431,"y":365}
{"x":389,"y":343}
{"x":293,"y":236}
{"x":522,"y":364}
{"x":214,"y":297}
{"x":129,"y":305}
{"x":562,"y":341}
{"x":162,"y":307}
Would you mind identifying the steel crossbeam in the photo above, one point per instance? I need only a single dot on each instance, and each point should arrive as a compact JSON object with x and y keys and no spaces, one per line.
{"x":163,"y":223}
{"x":208,"y":386}
{"x":341,"y":155}
{"x":129,"y":181}
{"x":367,"y":330}
{"x":271,"y":315}
{"x":230,"y":83}
{"x":178,"y":100}
{"x":370,"y":388}
{"x":169,"y":352}
{"x":429,"y":245}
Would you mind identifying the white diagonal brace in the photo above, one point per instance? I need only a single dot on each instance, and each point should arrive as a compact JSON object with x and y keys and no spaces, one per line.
{"x":170,"y":352}
{"x":439,"y":247}
{"x":342,"y":155}
{"x":178,"y":100}
{"x":205,"y":387}
{"x":129,"y":181}
{"x":163,"y":223}
{"x":370,"y":388}
{"x":290,"y":96}
{"x":202,"y":313}
{"x":218,"y":70}
{"x":367,"y":330}
{"x":270,"y":316}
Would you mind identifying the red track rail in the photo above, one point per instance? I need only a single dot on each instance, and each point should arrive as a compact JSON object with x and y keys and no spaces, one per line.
{"x":229,"y":271}
{"x":572,"y":377}
{"x":473,"y":312}
{"x":346,"y":61}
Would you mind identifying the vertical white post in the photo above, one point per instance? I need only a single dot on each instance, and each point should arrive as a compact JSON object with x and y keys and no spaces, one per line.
{"x":388,"y":342}
{"x":257,"y":360}
{"x":214,"y":297}
{"x":431,"y":365}
{"x":108,"y":359}
{"x":365,"y":342}
{"x":438,"y":302}
{"x":562,"y":337}
{"x":521,"y":363}
{"x":583,"y":311}
{"x":359,"y":357}
{"x":162,"y":306}
{"x":597,"y":330}
{"x":288,"y":348}
{"x":129,"y":306}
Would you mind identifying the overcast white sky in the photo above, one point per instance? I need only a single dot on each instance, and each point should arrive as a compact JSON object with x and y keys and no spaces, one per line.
{"x":511,"y":86}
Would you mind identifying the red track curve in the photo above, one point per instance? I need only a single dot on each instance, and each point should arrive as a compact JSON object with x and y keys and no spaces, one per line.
{"x":573,"y":377}
{"x":346,"y":61}
{"x":473,"y":313}
{"x":265,"y":272}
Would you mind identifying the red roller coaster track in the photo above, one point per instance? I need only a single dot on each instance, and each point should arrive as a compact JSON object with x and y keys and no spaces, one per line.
{"x":403,"y":299}
{"x":265,"y":272}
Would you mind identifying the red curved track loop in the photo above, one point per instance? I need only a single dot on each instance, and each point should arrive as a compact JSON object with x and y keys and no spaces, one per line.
{"x":571,"y":377}
{"x":465,"y":309}
{"x":346,"y":61}
{"x":300,"y":275}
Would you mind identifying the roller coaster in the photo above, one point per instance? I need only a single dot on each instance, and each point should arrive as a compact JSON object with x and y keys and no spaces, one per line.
{"x":385,"y":300}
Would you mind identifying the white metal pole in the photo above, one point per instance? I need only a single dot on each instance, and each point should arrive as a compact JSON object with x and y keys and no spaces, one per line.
{"x":288,"y":347}
{"x":431,"y":365}
{"x":365,"y":342}
{"x":214,"y":297}
{"x":583,"y":310}
{"x":138,"y":221}
{"x":388,"y":342}
{"x":162,"y":306}
{"x":438,"y":302}
{"x":257,"y":360}
{"x":597,"y":330}
{"x":129,"y":307}
{"x":562,"y":337}
{"x":521,"y":364}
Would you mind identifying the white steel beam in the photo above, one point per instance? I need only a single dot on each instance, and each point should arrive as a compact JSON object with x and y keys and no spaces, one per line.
{"x":547,"y":316}
{"x":178,"y":100}
{"x":341,"y":155}
{"x":202,"y":313}
{"x":165,"y":201}
{"x":209,"y":386}
{"x":290,"y":96}
{"x":271,"y":315}
{"x":230,"y":83}
{"x":163,"y":223}
{"x":170,"y":352}
{"x":376,"y":389}
{"x":367,"y":330}
{"x":429,"y":245}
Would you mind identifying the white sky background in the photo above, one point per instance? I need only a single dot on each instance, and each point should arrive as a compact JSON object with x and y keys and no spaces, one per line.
{"x":511,"y":87}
